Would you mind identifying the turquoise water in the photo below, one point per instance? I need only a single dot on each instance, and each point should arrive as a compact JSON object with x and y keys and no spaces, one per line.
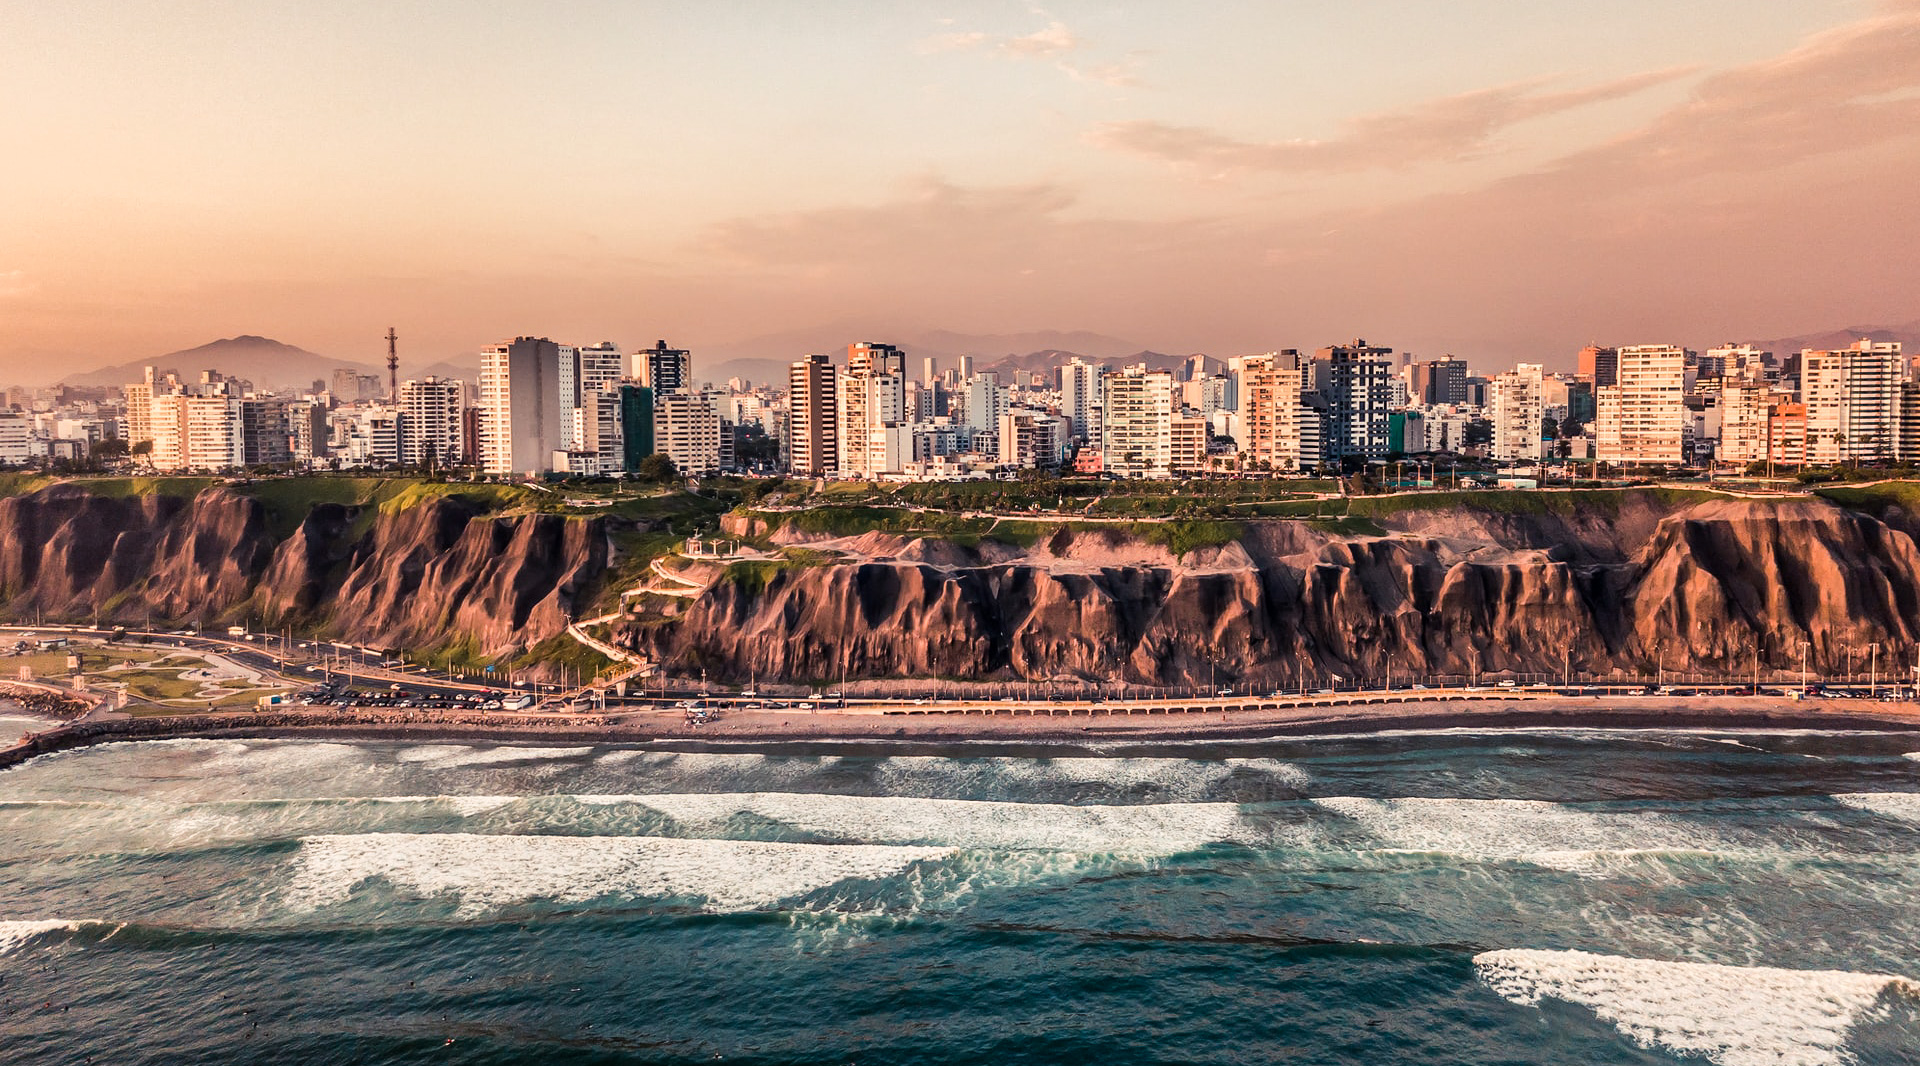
{"x":1537,"y":897}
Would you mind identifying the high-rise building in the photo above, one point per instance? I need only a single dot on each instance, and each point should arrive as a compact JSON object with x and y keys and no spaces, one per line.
{"x":1080,"y":396}
{"x":636,"y":425}
{"x":432,"y":408}
{"x":686,"y":429}
{"x":1187,"y":435}
{"x":1438,"y":381}
{"x":601,"y":429}
{"x":1137,"y":432}
{"x":265,"y":436}
{"x":16,"y":439}
{"x":872,"y":411}
{"x":1641,"y":418}
{"x":1745,"y":410}
{"x":196,"y":432}
{"x":1356,"y":381}
{"x":1600,"y":365}
{"x":929,"y":370}
{"x":985,"y":400}
{"x":812,"y":426}
{"x":1032,"y":437}
{"x":1516,"y":408}
{"x":1270,"y":412}
{"x":1852,"y":398}
{"x":139,"y":396}
{"x":664,"y":369}
{"x":966,"y":368}
{"x":522,"y":422}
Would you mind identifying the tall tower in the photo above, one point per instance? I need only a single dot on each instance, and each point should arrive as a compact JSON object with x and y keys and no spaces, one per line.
{"x":393,"y":366}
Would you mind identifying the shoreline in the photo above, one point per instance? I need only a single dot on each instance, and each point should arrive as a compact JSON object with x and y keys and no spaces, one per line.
{"x":999,"y":733}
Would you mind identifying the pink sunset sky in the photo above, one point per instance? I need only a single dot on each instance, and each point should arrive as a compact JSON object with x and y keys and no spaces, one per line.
{"x":1505,"y":181}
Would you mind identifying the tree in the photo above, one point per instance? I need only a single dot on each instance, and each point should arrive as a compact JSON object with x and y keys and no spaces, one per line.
{"x":657,"y":467}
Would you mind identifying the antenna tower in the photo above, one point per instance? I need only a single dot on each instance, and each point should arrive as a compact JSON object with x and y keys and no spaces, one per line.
{"x":393,"y":367}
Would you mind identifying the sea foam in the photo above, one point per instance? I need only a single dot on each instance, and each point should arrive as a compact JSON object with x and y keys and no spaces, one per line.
{"x":14,"y":934}
{"x":1903,"y":806}
{"x":1553,"y":835}
{"x":1730,"y":1015}
{"x":449,"y":756}
{"x":1156,"y":829}
{"x":493,"y":871}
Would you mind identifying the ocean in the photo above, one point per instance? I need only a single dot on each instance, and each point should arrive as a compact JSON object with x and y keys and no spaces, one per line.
{"x":1547,"y":896}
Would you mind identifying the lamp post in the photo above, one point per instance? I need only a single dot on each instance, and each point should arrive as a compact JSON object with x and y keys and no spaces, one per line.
{"x":1804,"y":645}
{"x":1873,"y":670}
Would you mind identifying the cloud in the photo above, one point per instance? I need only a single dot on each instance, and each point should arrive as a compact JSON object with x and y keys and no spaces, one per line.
{"x":1053,"y":42}
{"x":1449,"y":129}
{"x":1846,"y":89}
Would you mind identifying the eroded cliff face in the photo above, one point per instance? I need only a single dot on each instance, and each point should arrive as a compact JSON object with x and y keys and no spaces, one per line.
{"x":1714,"y":587}
{"x":430,"y":574}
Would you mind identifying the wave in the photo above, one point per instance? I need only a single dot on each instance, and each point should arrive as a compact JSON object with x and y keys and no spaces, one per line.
{"x":1902,"y":806}
{"x":14,"y":934}
{"x":1553,"y":835}
{"x":493,"y":871}
{"x":1154,"y":829}
{"x":1914,"y":755}
{"x":1730,"y":1015}
{"x":449,"y":756}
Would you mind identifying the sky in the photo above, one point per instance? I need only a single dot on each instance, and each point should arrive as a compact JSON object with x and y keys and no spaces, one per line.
{"x":1496,"y":180}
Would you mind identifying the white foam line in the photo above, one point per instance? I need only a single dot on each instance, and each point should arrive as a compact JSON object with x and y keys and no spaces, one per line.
{"x":1903,"y":806}
{"x":14,"y":934}
{"x":1156,"y":829}
{"x":1914,"y":755}
{"x":492,"y":871}
{"x":1730,"y":1015}
{"x":446,"y":756}
{"x":1533,"y":831}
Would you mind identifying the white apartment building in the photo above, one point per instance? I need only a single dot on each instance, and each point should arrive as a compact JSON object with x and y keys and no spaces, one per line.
{"x":1033,"y":437}
{"x":1642,"y":418}
{"x":432,"y":407}
{"x":1270,"y":412}
{"x":686,"y":429}
{"x":1080,"y":396}
{"x":1746,"y":408}
{"x":374,"y":436}
{"x":16,"y":439}
{"x":522,"y":384}
{"x":1853,"y":402}
{"x":871,"y":415}
{"x":1138,"y":409}
{"x":985,"y":400}
{"x":195,"y":432}
{"x":1516,"y":404}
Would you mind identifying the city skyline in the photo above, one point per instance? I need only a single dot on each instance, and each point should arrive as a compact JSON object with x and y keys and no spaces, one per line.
{"x":1468,"y":181}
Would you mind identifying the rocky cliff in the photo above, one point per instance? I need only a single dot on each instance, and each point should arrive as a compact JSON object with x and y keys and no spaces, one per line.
{"x":440,"y":572}
{"x":1715,"y":588}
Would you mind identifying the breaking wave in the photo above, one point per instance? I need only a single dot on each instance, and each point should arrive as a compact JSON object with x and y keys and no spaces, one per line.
{"x":1154,"y":829}
{"x":1730,"y":1015}
{"x":1553,"y":835}
{"x":494,"y":871}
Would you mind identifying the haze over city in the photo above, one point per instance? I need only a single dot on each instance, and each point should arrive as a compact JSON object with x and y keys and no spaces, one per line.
{"x":1503,"y":184}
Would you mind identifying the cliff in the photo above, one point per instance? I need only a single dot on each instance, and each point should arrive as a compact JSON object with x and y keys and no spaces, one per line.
{"x":1716,"y":587}
{"x":442,"y":571}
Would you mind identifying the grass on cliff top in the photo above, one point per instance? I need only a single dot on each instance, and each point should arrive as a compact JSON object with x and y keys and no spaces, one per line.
{"x":21,"y":483}
{"x":129,"y":487}
{"x":1875,"y":500}
{"x":1604,"y":502}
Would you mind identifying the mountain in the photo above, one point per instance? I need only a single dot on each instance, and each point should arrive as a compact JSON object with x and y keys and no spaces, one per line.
{"x":1907,"y":335}
{"x":266,"y":362}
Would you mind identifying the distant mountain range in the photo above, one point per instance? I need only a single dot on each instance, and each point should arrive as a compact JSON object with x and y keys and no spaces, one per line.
{"x":268,"y":363}
{"x":1908,"y":337}
{"x":765,"y":359}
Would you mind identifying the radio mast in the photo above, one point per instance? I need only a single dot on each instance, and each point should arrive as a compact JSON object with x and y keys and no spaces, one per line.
{"x":393,"y":367}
